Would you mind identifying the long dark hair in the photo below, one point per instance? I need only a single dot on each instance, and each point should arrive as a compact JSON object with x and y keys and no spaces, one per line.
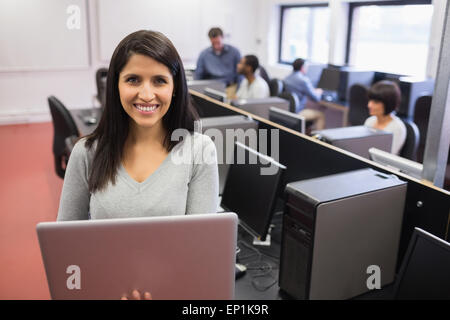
{"x":113,"y":128}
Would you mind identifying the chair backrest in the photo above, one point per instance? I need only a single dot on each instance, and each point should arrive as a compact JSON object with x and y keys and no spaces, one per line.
{"x":409,"y":149}
{"x":64,"y":126}
{"x":100,"y":79}
{"x":263,"y":73}
{"x":421,"y":116}
{"x":276,"y":87}
{"x":358,"y":100}
{"x":294,"y":102}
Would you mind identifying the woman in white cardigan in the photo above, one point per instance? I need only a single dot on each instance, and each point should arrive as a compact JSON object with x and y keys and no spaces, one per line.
{"x":384,"y":98}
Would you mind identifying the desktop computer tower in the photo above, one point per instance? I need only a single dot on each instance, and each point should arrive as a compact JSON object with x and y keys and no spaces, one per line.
{"x":356,"y":139}
{"x":224,"y":157}
{"x":413,"y":88}
{"x":334,"y":228}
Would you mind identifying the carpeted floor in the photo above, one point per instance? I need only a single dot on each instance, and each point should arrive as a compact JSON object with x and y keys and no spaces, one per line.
{"x":29,"y":193}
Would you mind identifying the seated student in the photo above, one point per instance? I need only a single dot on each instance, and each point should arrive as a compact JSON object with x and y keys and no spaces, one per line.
{"x":218,"y":61}
{"x":384,"y":98}
{"x":252,"y":86}
{"x":298,"y":83}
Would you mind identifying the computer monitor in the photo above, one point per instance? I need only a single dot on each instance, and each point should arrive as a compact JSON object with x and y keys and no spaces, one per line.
{"x":250,"y":192}
{"x":215,"y":94}
{"x":395,"y":162}
{"x":200,"y":85}
{"x":329,"y":79}
{"x":313,"y":72}
{"x":260,"y":106}
{"x":425,"y":270}
{"x":287,"y":119}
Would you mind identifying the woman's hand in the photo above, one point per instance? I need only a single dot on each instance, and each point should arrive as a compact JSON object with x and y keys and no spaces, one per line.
{"x":136,"y":295}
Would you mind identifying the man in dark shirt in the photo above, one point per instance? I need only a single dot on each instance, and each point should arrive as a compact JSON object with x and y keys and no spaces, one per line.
{"x":298,"y":83}
{"x":218,"y":61}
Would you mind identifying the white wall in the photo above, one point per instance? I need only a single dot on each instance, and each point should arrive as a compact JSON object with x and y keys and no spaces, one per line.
{"x":23,"y":94}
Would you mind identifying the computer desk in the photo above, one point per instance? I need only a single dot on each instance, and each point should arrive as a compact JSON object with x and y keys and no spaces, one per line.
{"x":339,"y":106}
{"x":83,"y":127}
{"x":262,"y":284}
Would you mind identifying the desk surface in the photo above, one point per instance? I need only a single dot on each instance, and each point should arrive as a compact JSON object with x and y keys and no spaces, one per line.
{"x":80,"y":116}
{"x":260,"y":281}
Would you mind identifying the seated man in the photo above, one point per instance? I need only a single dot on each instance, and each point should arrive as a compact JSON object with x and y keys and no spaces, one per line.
{"x":252,"y":86}
{"x":298,"y":83}
{"x":218,"y":61}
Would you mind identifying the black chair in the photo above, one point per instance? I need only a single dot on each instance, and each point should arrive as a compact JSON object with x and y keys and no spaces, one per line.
{"x":276,"y":87}
{"x":294,"y":102}
{"x":421,"y":116}
{"x":263,"y":73}
{"x":100,"y":79}
{"x":358,"y":100}
{"x":63,"y":127}
{"x":409,"y":149}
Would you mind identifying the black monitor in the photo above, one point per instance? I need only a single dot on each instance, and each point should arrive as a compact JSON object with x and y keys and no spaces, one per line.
{"x":379,"y":76}
{"x":287,"y":119}
{"x":313,"y":72}
{"x":250,"y":191}
{"x":215,"y":94}
{"x":329,"y":79}
{"x":209,"y":108}
{"x":425,"y":270}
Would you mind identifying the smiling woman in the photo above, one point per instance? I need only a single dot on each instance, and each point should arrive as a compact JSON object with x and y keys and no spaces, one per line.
{"x":127,"y":167}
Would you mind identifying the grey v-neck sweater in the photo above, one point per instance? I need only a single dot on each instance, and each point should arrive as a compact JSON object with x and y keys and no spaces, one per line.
{"x":185,"y":183}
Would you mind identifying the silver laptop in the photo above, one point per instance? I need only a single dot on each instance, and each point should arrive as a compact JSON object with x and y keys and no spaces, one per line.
{"x":172,"y":257}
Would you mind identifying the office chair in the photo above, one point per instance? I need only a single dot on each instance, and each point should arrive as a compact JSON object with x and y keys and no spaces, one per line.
{"x":263,"y":73}
{"x":358,"y":100}
{"x":409,"y":149}
{"x":63,"y":127}
{"x":100,"y":79}
{"x":276,"y":87}
{"x":421,"y":116}
{"x":294,"y":102}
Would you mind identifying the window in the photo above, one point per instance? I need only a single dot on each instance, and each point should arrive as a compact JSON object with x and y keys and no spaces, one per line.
{"x":390,"y":36}
{"x":304,"y":33}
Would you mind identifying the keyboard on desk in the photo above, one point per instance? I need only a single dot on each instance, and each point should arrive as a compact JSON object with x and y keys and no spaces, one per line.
{"x":330,"y":96}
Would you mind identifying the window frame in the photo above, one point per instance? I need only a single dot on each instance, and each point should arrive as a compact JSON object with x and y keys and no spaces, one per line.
{"x":280,"y":36}
{"x":354,"y":5}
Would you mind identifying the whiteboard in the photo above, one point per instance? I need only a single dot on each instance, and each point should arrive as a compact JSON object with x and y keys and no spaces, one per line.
{"x":43,"y":35}
{"x":179,"y":20}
